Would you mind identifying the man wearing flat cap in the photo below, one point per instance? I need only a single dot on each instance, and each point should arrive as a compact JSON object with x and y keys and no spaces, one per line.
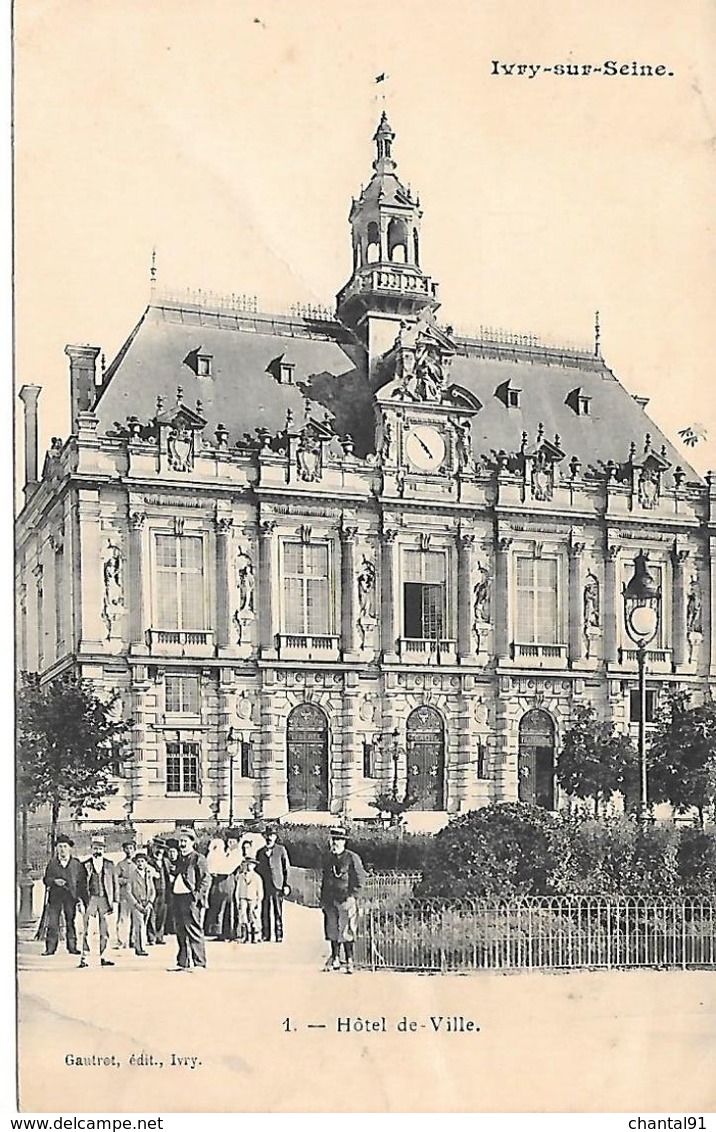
{"x":99,"y":895}
{"x":190,"y":896}
{"x":123,"y":871}
{"x":342,"y":879}
{"x":62,"y":882}
{"x":272,"y":865}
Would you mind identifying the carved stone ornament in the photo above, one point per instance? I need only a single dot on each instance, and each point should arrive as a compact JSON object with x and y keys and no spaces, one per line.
{"x":480,"y":602}
{"x":542,"y":477}
{"x":180,"y":445}
{"x":591,"y":614}
{"x":245,"y":583}
{"x":366,"y":598}
{"x":309,"y":451}
{"x":113,"y":587}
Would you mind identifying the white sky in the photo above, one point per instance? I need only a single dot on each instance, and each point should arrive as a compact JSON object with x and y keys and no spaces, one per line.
{"x":232,"y":135}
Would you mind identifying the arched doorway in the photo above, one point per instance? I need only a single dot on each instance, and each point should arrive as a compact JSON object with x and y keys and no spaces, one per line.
{"x":536,"y":759}
{"x":307,"y":758}
{"x":425,"y":750}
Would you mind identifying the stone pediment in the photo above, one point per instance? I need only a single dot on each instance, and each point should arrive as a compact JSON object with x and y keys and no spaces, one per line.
{"x":180,"y":417}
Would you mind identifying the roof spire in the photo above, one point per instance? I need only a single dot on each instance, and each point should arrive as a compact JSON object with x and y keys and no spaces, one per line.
{"x":153,"y":272}
{"x":383,"y":137}
{"x":597,"y":336}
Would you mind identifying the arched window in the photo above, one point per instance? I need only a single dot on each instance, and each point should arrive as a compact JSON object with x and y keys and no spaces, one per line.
{"x":372,"y":251}
{"x":307,"y":758}
{"x":535,"y":766}
{"x":397,"y":241}
{"x":425,"y":751}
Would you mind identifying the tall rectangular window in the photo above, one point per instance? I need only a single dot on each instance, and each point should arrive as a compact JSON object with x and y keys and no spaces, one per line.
{"x":424,"y":586}
{"x":537,"y":620}
{"x":182,"y":695}
{"x":182,"y":768}
{"x":307,"y":588}
{"x":180,"y":582}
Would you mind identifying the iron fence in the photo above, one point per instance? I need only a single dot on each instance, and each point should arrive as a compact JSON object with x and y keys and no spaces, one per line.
{"x":537,"y":933}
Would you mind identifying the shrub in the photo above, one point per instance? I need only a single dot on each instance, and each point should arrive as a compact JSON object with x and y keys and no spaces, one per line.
{"x":509,"y":849}
{"x":696,"y":861}
{"x":615,"y":856}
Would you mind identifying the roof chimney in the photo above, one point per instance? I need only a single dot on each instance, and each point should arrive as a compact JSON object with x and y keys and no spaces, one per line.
{"x":83,"y":385}
{"x":29,"y":395}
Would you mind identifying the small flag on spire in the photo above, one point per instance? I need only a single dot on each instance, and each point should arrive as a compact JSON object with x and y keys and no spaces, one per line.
{"x":381,"y":77}
{"x":693,"y":434}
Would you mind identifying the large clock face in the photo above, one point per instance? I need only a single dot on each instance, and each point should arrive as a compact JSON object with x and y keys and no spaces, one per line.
{"x":425,"y":448}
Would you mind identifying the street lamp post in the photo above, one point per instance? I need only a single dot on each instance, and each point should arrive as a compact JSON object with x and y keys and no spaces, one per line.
{"x":642,"y":599}
{"x":231,"y":738}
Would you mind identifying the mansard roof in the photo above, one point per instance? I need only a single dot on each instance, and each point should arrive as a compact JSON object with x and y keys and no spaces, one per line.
{"x":246,"y":391}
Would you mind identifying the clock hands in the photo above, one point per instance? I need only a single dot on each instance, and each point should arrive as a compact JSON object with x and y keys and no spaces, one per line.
{"x":423,"y":445}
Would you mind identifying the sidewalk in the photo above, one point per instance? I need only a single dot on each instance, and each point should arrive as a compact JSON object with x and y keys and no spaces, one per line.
{"x":264,"y":1029}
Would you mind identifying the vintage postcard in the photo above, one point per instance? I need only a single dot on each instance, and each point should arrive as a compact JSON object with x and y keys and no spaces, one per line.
{"x":365,"y":551}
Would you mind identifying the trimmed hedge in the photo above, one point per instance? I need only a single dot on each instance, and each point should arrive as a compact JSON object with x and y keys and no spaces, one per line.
{"x":381,"y":850}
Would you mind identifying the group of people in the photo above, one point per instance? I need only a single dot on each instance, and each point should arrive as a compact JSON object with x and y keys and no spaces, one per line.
{"x":169,"y":888}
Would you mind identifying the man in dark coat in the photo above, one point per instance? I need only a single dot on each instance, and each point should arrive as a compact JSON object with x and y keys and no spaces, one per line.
{"x":99,"y":894}
{"x":342,"y":879}
{"x":158,"y":914}
{"x":272,"y":865}
{"x":190,"y":897}
{"x":63,"y":883}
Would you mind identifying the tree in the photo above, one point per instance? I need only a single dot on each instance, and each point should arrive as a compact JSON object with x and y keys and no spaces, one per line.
{"x":595,"y":759}
{"x":682,"y":754}
{"x":68,"y":741}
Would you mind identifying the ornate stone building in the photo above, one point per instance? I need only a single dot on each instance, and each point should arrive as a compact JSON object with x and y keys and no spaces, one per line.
{"x":321,"y":554}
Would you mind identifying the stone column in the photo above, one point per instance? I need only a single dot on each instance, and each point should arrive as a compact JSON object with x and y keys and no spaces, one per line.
{"x":709,"y":616}
{"x":679,"y":559}
{"x":224,"y":524}
{"x":459,"y":780}
{"x":576,"y":619}
{"x":501,"y":606}
{"x":270,"y":770}
{"x":90,"y":563}
{"x":465,"y":636}
{"x":612,"y":607}
{"x":348,"y":592}
{"x":387,"y":595}
{"x":135,"y":589}
{"x":345,"y":777}
{"x":267,"y":627}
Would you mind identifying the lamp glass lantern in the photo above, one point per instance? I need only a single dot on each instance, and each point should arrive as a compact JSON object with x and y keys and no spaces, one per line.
{"x":642,"y":599}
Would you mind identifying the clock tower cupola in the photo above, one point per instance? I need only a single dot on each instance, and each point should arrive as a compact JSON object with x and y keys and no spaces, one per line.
{"x":388,"y":284}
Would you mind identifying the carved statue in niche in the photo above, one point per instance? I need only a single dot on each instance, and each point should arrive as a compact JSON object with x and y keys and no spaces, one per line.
{"x":386,"y":440}
{"x":648,"y":486}
{"x":542,"y":477}
{"x":366,"y":597}
{"x":463,"y":444}
{"x":591,"y":617}
{"x":245,"y":582}
{"x":480,"y":602}
{"x":181,"y":449}
{"x":113,"y":597}
{"x":694,"y":618}
{"x":308,"y":455}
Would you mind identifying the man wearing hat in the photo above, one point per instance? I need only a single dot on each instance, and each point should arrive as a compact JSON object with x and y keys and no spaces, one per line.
{"x":123,"y":871}
{"x":141,"y":893}
{"x":190,"y":886}
{"x":343,"y":877}
{"x":62,"y":882}
{"x":272,"y":865}
{"x":99,"y":895}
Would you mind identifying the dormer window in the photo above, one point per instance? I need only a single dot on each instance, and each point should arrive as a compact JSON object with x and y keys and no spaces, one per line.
{"x":509,"y":395}
{"x":286,"y":373}
{"x":203,"y":365}
{"x":579,"y":402}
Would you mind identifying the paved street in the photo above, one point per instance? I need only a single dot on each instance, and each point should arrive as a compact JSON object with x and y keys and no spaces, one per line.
{"x":546,"y":1042}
